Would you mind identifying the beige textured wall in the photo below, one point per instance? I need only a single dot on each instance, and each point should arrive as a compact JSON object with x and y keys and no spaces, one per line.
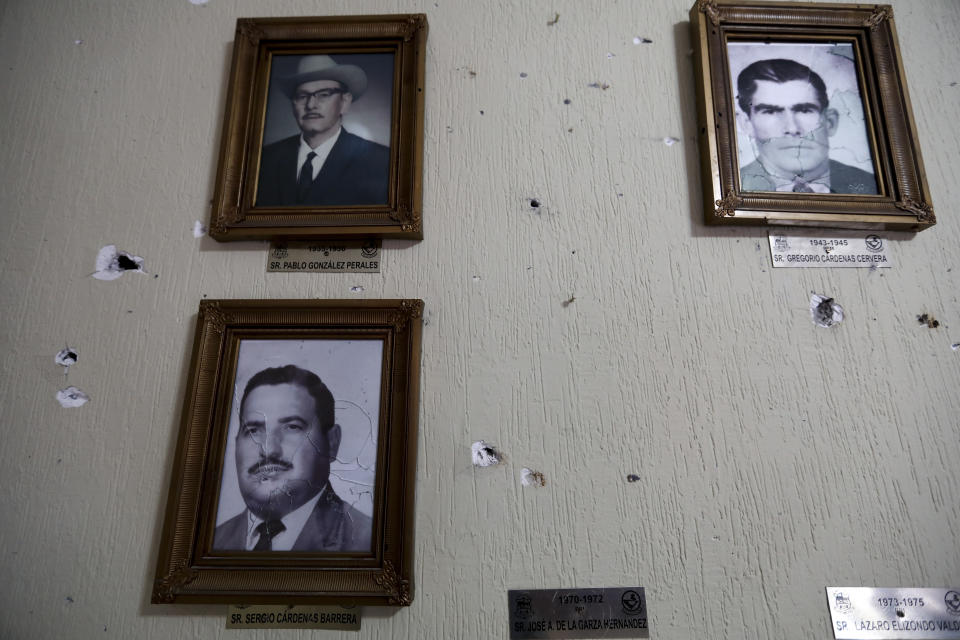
{"x":775,"y":457}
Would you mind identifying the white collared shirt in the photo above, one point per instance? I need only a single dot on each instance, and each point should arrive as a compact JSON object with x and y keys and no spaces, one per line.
{"x":293,"y":521}
{"x":820,"y":184}
{"x":322,"y":152}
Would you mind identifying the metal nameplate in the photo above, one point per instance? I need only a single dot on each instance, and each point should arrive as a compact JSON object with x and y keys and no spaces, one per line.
{"x":279,"y":616}
{"x":352,"y":256}
{"x":866,"y":613}
{"x":612,"y":612}
{"x":829,"y":249}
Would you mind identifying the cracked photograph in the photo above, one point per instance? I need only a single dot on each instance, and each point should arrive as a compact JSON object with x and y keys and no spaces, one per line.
{"x":800,"y":121}
{"x":300,"y":458}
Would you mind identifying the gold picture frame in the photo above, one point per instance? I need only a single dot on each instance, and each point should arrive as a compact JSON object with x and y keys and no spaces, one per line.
{"x":362,"y":92}
{"x":772,"y":158}
{"x":254,"y":447}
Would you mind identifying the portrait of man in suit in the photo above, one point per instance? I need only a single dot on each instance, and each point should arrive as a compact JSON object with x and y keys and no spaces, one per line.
{"x":787,"y":116}
{"x":283,"y":449}
{"x":325,"y":163}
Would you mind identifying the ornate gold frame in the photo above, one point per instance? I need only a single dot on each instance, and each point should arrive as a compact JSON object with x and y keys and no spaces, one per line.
{"x":904,"y":200}
{"x":188,"y":569}
{"x":234,"y":216}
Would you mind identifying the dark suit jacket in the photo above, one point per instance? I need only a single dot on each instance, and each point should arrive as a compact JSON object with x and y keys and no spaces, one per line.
{"x":843,"y":179}
{"x":355,"y":172}
{"x":333,"y":525}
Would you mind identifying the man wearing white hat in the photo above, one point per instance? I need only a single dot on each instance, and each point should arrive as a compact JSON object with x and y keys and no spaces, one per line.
{"x":324,"y":165}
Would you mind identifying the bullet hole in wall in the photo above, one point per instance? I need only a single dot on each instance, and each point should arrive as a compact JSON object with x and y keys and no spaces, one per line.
{"x":66,"y":357}
{"x":111,"y":263}
{"x":484,"y":455}
{"x":824,"y":311}
{"x":929,"y":320}
{"x":126,"y":263}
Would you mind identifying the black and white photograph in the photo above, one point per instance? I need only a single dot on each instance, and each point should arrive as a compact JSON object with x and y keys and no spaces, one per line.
{"x":300,"y":458}
{"x":326,"y":135}
{"x":801,"y":125}
{"x":323,"y":129}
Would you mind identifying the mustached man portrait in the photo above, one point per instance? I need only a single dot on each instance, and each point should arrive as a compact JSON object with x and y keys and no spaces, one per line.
{"x":800,"y":122}
{"x":298,"y":472}
{"x":327,"y":131}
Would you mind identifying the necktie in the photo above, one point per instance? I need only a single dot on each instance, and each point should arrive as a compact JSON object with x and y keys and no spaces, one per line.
{"x":799,"y":186}
{"x":305,"y":177}
{"x":267,"y":531}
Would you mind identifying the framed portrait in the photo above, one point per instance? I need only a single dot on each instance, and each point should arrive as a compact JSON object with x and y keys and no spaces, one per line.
{"x":804,"y":117}
{"x":294,"y":471}
{"x":323,"y":129}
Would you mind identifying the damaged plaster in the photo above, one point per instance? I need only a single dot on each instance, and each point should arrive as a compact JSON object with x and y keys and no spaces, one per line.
{"x":484,"y":455}
{"x":71,"y":397}
{"x":929,"y":320}
{"x":66,"y":358}
{"x":531,"y":478}
{"x":111,"y":263}
{"x":824,"y":311}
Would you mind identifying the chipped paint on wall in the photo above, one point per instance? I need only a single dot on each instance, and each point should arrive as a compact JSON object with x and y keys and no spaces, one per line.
{"x":484,"y":455}
{"x":71,"y":397}
{"x":531,"y":478}
{"x":824,"y":311}
{"x":66,"y":358}
{"x":111,"y":263}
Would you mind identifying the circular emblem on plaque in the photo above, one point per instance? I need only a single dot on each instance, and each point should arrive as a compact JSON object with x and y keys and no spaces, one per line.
{"x":631,"y":601}
{"x":280,"y":251}
{"x":952,"y":600}
{"x":369,"y":250}
{"x":874,"y":243}
{"x":523,"y":607}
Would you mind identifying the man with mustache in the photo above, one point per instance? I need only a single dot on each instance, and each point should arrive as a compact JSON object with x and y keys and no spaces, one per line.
{"x":789,"y":119}
{"x":324,"y":165}
{"x":286,"y":441}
